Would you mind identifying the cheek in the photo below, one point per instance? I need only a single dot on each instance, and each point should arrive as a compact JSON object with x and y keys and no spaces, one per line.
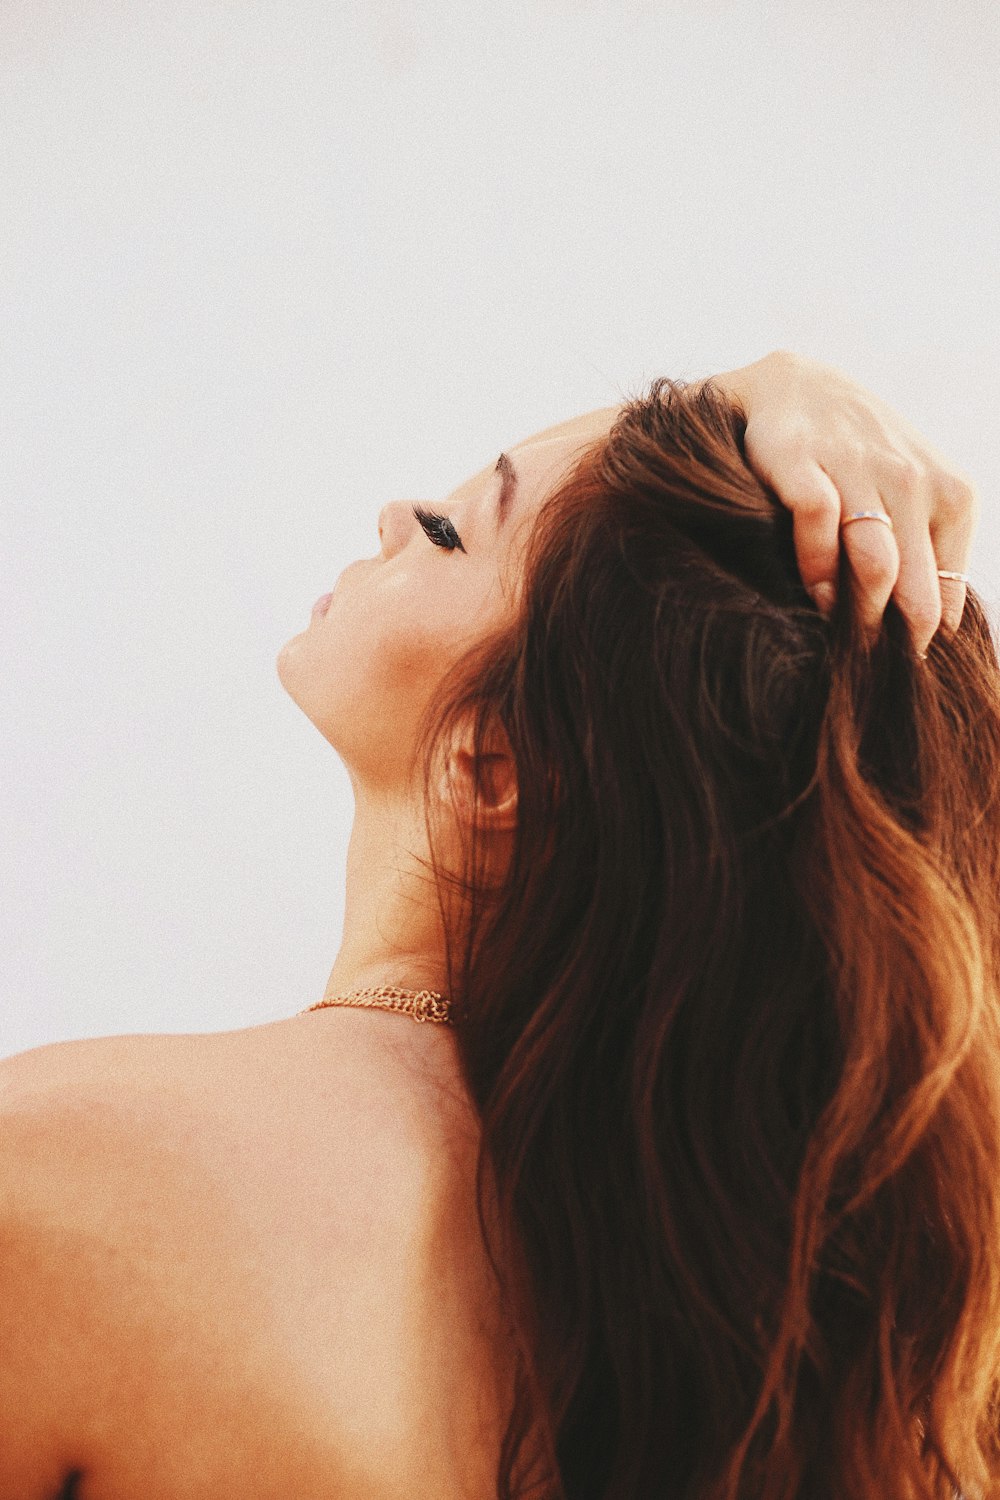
{"x":363,"y":672}
{"x":357,"y":651}
{"x":397,"y":632}
{"x":415,"y":617}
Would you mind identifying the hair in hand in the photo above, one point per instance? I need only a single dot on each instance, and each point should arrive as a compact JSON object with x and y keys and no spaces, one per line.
{"x":731,"y":1014}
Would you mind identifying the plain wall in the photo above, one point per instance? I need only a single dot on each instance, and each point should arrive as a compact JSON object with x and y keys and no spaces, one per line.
{"x":266,"y":265}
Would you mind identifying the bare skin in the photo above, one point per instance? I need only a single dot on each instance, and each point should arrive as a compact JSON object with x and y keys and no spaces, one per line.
{"x":253,"y":1268}
{"x":248,"y":1262}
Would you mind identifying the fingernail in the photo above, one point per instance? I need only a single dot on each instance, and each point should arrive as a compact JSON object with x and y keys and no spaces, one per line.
{"x":825,"y":597}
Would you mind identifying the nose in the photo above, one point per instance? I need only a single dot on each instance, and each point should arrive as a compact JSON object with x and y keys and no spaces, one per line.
{"x":395,"y":522}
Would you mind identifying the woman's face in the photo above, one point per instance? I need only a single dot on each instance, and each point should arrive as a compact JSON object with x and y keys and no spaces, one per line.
{"x":365,"y":666}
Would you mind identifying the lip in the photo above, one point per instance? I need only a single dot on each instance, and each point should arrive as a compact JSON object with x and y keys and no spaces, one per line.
{"x":322,"y":604}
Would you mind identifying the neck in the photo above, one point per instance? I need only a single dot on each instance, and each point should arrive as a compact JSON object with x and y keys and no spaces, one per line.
{"x":393,"y":933}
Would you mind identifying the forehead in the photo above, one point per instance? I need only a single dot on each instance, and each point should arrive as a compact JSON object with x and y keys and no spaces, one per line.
{"x":578,"y":430}
{"x":541,"y":460}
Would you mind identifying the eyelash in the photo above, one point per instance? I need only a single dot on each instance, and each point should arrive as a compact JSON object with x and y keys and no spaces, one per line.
{"x":438,"y":528}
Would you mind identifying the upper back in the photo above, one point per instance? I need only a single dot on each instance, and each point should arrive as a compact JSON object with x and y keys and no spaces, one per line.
{"x":264,"y":1249}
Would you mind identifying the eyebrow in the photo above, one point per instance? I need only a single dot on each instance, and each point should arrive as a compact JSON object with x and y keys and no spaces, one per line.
{"x":506,"y":496}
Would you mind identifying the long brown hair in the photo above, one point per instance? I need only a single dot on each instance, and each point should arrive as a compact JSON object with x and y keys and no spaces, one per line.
{"x":731,"y":1015}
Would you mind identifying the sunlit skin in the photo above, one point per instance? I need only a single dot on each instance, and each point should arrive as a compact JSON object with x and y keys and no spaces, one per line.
{"x":363,"y":672}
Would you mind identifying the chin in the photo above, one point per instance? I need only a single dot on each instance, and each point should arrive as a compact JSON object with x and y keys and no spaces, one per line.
{"x":296,"y":672}
{"x":283,"y":663}
{"x":312,"y":687}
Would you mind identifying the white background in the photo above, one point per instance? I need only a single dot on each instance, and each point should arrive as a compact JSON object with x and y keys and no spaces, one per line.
{"x":267,"y":264}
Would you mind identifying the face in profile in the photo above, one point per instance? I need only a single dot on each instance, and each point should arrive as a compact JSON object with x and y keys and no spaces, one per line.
{"x":366,"y":665}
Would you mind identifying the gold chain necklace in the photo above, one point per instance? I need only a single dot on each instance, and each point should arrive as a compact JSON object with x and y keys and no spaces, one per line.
{"x":422,"y":1005}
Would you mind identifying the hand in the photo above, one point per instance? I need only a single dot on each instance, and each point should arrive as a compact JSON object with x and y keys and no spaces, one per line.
{"x":827,"y":448}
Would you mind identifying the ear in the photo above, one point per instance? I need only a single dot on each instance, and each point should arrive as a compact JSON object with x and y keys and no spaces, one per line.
{"x":482,"y":788}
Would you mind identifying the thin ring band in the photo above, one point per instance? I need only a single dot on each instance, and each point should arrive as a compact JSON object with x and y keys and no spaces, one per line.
{"x":867,"y":515}
{"x":878,"y":515}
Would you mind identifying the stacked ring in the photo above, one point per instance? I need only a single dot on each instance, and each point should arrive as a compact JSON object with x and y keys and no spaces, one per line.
{"x":880,"y":515}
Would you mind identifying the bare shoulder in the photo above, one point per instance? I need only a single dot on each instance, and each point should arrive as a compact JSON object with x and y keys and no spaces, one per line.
{"x":183,"y":1145}
{"x":211,"y":1234}
{"x":67,"y":1150}
{"x":298,"y":1094}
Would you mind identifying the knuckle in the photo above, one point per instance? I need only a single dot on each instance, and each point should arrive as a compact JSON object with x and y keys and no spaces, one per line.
{"x":782,"y":358}
{"x":957,"y":498}
{"x":903,"y":475}
{"x":857,"y":455}
{"x":816,"y":504}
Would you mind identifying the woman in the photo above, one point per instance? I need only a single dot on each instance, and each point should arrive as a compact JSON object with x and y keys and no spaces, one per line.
{"x":690,"y":1187}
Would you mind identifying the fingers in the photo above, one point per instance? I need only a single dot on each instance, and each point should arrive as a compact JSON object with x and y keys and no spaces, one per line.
{"x":917,"y":591}
{"x":953,"y":523}
{"x":874,"y":555}
{"x":906,"y":494}
{"x":933,"y":511}
{"x":869,"y":546}
{"x":953,"y":594}
{"x":934,"y":522}
{"x":814,"y":501}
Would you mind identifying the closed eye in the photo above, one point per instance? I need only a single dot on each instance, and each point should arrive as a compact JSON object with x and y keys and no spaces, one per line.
{"x":440,"y":530}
